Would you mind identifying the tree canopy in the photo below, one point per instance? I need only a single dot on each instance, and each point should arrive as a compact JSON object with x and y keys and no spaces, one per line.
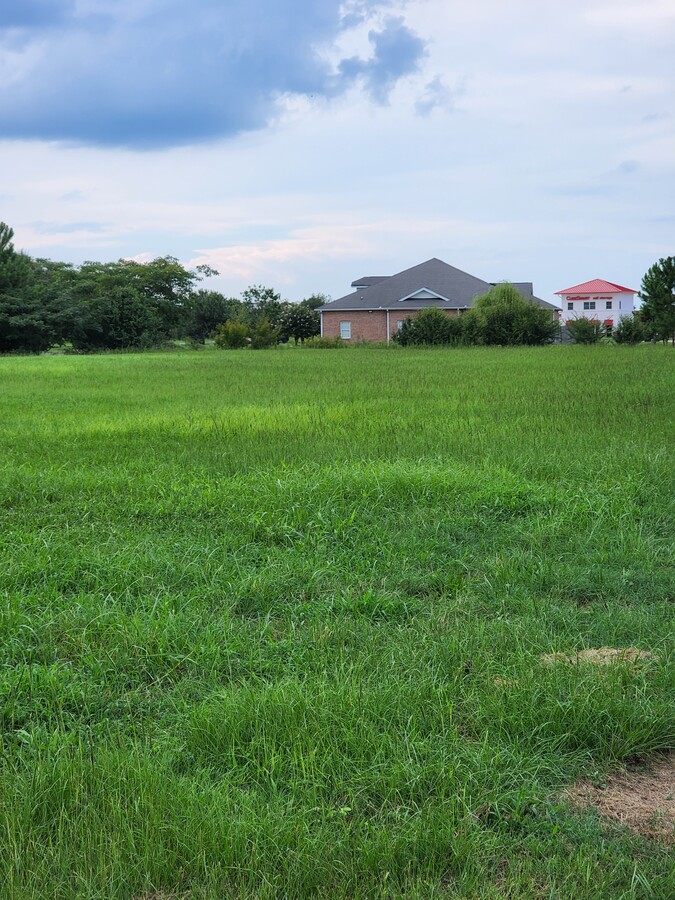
{"x":127,"y":304}
{"x":658,"y":299}
{"x":110,"y":305}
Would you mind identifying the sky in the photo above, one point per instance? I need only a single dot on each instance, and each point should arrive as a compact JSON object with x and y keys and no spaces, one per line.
{"x":302,"y":145}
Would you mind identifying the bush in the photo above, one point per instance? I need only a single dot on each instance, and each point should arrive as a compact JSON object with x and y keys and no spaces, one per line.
{"x":324,"y":343}
{"x":431,"y":327}
{"x":585,"y":331}
{"x":630,"y":330}
{"x":232,"y":336}
{"x":504,"y":317}
{"x":264,"y":336}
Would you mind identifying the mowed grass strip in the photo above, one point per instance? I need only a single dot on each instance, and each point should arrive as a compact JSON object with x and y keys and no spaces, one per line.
{"x":272,"y":624}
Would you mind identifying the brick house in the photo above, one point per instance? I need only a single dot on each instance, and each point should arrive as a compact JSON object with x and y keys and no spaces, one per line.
{"x":599,"y":300}
{"x":379,"y":304}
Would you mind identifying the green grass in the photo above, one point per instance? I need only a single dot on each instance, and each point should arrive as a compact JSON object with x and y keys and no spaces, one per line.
{"x":271,"y":623}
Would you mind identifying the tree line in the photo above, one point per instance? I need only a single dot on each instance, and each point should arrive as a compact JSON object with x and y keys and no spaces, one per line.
{"x":126,"y":304}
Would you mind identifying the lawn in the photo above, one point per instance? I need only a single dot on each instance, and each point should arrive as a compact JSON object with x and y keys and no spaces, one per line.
{"x":272,"y":623}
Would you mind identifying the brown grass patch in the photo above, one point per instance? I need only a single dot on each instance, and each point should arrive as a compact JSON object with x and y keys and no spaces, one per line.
{"x":641,"y":798}
{"x":599,"y":656}
{"x":162,"y":895}
{"x":505,"y":682}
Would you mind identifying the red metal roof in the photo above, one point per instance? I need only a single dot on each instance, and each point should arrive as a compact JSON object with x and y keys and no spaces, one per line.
{"x":596,"y":286}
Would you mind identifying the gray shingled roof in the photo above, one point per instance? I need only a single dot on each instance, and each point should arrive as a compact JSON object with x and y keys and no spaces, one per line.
{"x":368,"y":280}
{"x":456,"y":288}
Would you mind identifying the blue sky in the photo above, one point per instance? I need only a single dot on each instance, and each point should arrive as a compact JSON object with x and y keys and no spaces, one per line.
{"x":303,"y":145}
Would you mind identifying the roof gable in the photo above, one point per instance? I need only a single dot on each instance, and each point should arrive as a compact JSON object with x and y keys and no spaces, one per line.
{"x":424,"y":294}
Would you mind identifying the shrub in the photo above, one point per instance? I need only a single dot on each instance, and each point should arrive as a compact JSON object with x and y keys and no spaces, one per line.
{"x":431,"y":326}
{"x":630,"y":330}
{"x":231,"y":335}
{"x":325,"y":343}
{"x":585,"y":331}
{"x":504,"y":317}
{"x":264,"y":336}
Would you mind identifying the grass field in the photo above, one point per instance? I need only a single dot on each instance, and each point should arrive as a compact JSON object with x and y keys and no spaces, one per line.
{"x":271,"y":624}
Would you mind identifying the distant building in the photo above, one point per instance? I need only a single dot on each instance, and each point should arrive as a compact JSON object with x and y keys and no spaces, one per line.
{"x":379,"y":304}
{"x":601,"y":301}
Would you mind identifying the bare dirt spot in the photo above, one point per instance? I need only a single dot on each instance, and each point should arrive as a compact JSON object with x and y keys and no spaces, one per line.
{"x":642,"y":798}
{"x":599,"y":656}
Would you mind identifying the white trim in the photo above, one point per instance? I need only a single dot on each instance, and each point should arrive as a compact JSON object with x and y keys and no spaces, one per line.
{"x":426,"y":295}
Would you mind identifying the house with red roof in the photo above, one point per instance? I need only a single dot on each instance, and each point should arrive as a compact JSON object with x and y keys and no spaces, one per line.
{"x":599,"y":300}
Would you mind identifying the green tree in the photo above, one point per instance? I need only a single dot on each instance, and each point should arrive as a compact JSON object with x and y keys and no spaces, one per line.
{"x":314,"y":301}
{"x":630,"y":330}
{"x":658,"y":299}
{"x":14,"y":266}
{"x":262,"y":303}
{"x":131,"y":304}
{"x":300,"y":322}
{"x":232,"y":336}
{"x":33,"y":313}
{"x":206,"y":310}
{"x":504,"y":317}
{"x":585,"y":331}
{"x":264,"y":336}
{"x":118,"y":312}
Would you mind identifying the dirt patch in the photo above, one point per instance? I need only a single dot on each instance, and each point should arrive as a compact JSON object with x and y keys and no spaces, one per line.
{"x":599,"y":656}
{"x":641,"y":798}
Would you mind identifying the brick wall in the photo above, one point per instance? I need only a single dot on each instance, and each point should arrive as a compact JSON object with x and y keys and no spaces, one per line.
{"x":369,"y":326}
{"x":366,"y":326}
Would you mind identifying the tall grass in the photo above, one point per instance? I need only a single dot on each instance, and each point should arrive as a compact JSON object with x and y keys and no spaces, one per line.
{"x":271,"y":623}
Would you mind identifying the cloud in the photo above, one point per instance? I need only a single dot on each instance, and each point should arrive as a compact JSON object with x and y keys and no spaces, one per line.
{"x":162,"y":73}
{"x":69,"y":227}
{"x":436,"y":94}
{"x":319,"y":244}
{"x":34,"y":13}
{"x":628,"y":167}
{"x":397,"y":51}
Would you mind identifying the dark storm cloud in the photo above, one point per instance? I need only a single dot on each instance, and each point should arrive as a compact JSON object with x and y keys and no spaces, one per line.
{"x":161,"y":73}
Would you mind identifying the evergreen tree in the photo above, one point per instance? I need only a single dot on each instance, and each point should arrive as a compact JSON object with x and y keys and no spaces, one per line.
{"x":658,"y":299}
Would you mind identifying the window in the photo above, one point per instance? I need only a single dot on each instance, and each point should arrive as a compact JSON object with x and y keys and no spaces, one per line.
{"x":345,"y":330}
{"x":589,"y":304}
{"x":570,"y":305}
{"x":399,"y":324}
{"x":608,"y":304}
